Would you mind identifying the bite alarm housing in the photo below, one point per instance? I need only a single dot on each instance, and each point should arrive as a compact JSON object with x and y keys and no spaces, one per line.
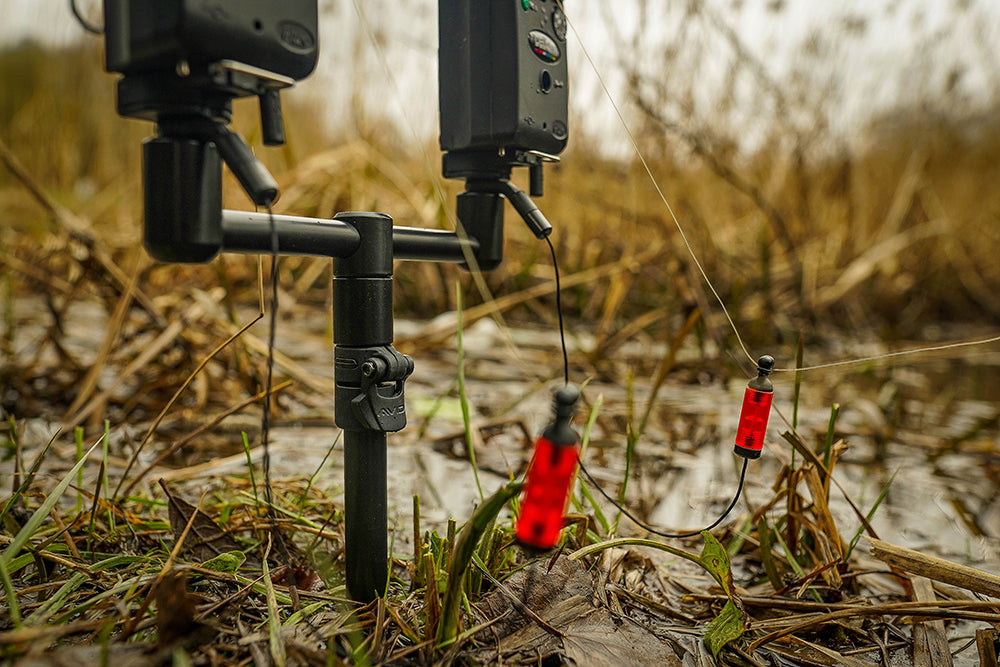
{"x":503,"y":79}
{"x":155,"y":35}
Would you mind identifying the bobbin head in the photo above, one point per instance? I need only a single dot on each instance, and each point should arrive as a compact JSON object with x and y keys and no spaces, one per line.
{"x":765,"y":365}
{"x":564,"y":401}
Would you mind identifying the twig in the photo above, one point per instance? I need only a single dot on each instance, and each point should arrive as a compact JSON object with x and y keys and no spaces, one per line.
{"x":198,"y":431}
{"x":934,"y":568}
{"x":130,"y":627}
{"x":514,"y":599}
{"x":445,"y":327}
{"x":63,"y":217}
{"x":930,"y":643}
{"x":949,"y":609}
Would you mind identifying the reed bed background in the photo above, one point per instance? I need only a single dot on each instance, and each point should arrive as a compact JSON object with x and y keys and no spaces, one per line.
{"x":887,"y":237}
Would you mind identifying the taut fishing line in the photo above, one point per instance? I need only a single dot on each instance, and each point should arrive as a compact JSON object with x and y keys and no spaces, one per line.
{"x":656,"y":185}
{"x":697,"y":263}
{"x":557,"y":450}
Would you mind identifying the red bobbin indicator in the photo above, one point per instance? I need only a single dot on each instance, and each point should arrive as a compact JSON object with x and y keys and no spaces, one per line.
{"x":756,"y":410}
{"x":550,"y":474}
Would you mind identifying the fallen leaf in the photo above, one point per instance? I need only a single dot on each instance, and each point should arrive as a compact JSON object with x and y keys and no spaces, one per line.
{"x":584,"y":633}
{"x":228,"y":562}
{"x":205,"y":540}
{"x":175,"y":609}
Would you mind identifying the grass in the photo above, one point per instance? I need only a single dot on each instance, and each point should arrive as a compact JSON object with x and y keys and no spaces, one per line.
{"x":244,"y":581}
{"x":96,"y":572}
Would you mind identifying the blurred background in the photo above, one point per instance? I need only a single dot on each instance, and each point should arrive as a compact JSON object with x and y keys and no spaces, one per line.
{"x":832,"y":165}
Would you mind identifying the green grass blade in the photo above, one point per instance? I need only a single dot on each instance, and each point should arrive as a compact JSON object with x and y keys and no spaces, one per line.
{"x":461,"y":556}
{"x":30,"y":476}
{"x":103,"y":482}
{"x":868,"y":517}
{"x":29,"y":529}
{"x":39,"y":516}
{"x":592,"y":549}
{"x":830,"y":430}
{"x":253,"y":480}
{"x":57,"y":599}
{"x":124,"y":590}
{"x":462,"y":395}
{"x":78,"y":441}
{"x":275,"y":641}
{"x":584,"y":489}
{"x":630,"y":442}
{"x":319,"y":469}
{"x":8,"y":588}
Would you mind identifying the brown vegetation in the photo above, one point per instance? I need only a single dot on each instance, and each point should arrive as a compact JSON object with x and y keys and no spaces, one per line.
{"x":885,"y":240}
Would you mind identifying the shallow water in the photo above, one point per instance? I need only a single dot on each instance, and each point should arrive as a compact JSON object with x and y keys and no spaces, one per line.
{"x":930,"y":424}
{"x":941,"y":499}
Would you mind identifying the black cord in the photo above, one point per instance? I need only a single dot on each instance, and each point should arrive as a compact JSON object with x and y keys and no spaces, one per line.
{"x":583,"y":469}
{"x":562,"y":329}
{"x":89,"y":27}
{"x":265,"y":422}
{"x":646,"y":526}
{"x":277,"y":538}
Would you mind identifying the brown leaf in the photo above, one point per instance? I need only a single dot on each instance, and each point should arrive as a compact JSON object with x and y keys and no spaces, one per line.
{"x":561,"y":597}
{"x":205,"y":540}
{"x":174,"y":609}
{"x":536,"y":586}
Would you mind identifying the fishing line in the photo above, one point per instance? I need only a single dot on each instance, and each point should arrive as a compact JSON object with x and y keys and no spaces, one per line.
{"x":646,"y":526}
{"x":579,"y":460}
{"x":442,"y":199}
{"x":656,"y":185}
{"x":900,"y":353}
{"x":732,"y":324}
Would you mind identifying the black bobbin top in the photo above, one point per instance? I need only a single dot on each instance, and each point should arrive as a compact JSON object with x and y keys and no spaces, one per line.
{"x":765,"y":365}
{"x":564,"y":402}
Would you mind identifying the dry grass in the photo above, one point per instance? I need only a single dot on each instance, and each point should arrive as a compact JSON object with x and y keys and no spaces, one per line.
{"x":889,"y":240}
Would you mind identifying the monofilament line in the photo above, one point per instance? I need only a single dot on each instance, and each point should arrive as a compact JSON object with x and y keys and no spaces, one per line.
{"x":701,"y":270}
{"x":900,"y":353}
{"x":656,"y":186}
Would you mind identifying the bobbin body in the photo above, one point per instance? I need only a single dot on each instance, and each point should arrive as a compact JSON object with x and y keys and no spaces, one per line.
{"x":755,"y":412}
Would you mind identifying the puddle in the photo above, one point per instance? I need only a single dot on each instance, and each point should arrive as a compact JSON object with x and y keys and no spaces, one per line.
{"x":685,"y":473}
